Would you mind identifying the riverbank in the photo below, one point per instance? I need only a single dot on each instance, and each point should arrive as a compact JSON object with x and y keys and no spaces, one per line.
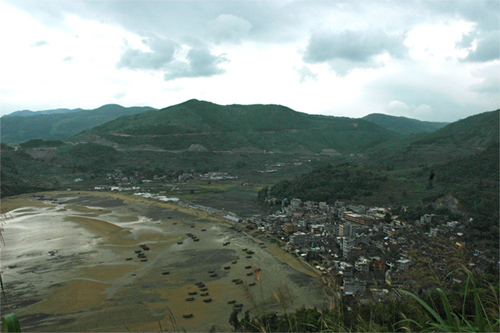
{"x":86,"y":282}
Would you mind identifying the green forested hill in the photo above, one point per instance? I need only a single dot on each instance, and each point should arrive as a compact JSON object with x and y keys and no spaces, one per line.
{"x":330,"y":183}
{"x":479,"y":130}
{"x":28,"y":113}
{"x":57,"y":126}
{"x":263,"y":127}
{"x":459,"y":139}
{"x":403,"y":125}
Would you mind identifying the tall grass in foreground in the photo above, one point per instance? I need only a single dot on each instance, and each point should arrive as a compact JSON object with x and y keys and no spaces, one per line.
{"x":484,"y":319}
{"x":10,"y":323}
{"x":477,"y":312}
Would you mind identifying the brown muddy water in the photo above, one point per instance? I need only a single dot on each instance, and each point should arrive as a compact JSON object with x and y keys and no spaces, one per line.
{"x":65,"y":269}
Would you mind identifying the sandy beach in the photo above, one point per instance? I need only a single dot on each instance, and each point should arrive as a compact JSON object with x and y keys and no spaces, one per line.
{"x":70,"y":264}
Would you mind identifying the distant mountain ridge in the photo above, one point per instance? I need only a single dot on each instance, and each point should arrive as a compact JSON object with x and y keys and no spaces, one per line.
{"x":459,"y":139}
{"x":251,"y":127}
{"x":28,"y":113}
{"x":59,"y":124}
{"x":404,"y":125}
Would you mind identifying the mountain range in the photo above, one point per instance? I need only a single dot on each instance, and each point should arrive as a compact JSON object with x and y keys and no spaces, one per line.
{"x":243,"y":139}
{"x":22,"y":126}
{"x":58,"y":124}
{"x":404,"y":125}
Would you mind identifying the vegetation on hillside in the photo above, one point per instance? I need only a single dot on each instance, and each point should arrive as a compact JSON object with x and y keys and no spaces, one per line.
{"x":58,"y":126}
{"x":257,"y":127}
{"x":330,"y":183}
{"x":39,"y":143}
{"x":403,"y":125}
{"x":469,"y":307}
{"x":456,"y":140}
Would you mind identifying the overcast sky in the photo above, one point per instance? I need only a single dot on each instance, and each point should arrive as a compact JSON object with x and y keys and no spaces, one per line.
{"x":429,"y":60}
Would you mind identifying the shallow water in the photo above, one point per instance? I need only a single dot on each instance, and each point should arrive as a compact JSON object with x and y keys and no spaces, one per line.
{"x":85,"y":282}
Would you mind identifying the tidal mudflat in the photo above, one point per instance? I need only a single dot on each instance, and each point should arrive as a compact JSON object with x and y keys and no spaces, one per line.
{"x":107,"y":262}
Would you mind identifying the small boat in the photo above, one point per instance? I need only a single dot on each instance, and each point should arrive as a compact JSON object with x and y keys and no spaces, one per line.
{"x":227,"y":267}
{"x":192,"y":293}
{"x":213,"y":275}
{"x":238,"y":305}
{"x":188,"y":315}
{"x":247,"y":267}
{"x":207,"y":300}
{"x":128,"y":258}
{"x":249,"y":273}
{"x":203,"y":289}
{"x":189,"y":299}
{"x":231,"y":302}
{"x":204,"y":294}
{"x":251,"y":284}
{"x":165,"y":273}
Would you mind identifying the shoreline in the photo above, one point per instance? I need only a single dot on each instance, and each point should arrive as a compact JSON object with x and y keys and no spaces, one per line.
{"x":109,"y":243}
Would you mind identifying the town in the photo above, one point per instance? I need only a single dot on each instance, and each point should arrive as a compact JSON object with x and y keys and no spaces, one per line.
{"x":361,"y":252}
{"x":364,"y":253}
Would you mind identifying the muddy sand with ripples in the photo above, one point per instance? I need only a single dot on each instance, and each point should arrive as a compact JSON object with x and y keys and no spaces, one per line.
{"x":65,"y":266}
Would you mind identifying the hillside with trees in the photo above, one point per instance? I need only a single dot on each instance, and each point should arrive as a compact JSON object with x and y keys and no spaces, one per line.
{"x":58,"y":124}
{"x":252,"y":127}
{"x":404,"y":125}
{"x":462,"y":138}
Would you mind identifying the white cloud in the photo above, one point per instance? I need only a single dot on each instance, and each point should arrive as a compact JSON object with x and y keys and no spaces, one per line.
{"x":160,"y":52}
{"x":439,"y":59}
{"x":305,"y":73}
{"x":228,"y":28}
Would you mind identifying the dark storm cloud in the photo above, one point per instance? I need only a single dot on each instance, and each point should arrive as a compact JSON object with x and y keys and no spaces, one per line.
{"x":274,"y":21}
{"x":488,"y":48}
{"x":161,"y":53}
{"x":352,"y":45}
{"x":486,"y":33}
{"x":199,"y":63}
{"x":348,"y":49}
{"x":484,"y":13}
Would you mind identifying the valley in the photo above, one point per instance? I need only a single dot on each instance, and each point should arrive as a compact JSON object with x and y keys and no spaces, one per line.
{"x":197,"y":183}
